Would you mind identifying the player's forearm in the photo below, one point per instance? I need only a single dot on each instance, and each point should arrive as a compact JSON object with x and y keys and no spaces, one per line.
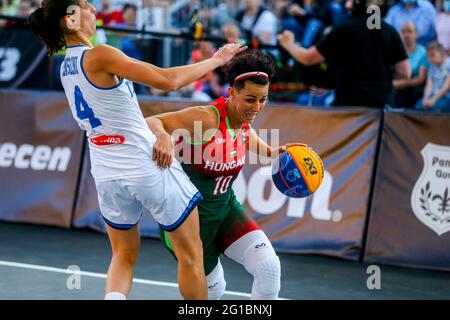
{"x":156,"y":126}
{"x":184,"y":75}
{"x":258,"y":146}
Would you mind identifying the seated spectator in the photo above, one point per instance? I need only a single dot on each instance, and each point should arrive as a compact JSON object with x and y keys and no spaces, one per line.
{"x":287,"y":12}
{"x":9,"y":7}
{"x":231,"y":32}
{"x":129,"y":44}
{"x":408,"y":91}
{"x":152,"y":15}
{"x":322,"y":14}
{"x":25,"y":8}
{"x":204,"y":51}
{"x":365,"y":60}
{"x":443,"y":26}
{"x":108,"y":16}
{"x":258,"y":22}
{"x":437,"y":89}
{"x":422,"y":12}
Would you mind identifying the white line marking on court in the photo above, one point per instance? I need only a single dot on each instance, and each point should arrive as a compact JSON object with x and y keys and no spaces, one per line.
{"x":103,"y":276}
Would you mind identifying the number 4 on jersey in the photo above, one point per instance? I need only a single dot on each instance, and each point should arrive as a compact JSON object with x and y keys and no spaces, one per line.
{"x":83,"y":109}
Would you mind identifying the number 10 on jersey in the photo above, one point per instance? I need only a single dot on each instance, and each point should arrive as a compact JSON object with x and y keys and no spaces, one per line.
{"x":222,"y":184}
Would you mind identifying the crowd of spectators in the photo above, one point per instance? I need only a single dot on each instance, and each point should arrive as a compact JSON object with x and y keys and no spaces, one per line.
{"x":422,"y":25}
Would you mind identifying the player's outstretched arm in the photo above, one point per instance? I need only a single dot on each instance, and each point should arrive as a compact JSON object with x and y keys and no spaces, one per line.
{"x":260,"y":147}
{"x":111,"y":60}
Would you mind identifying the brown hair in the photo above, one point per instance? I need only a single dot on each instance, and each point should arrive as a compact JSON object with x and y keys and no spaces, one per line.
{"x":435,"y":46}
{"x":45,"y":23}
{"x":248,"y":61}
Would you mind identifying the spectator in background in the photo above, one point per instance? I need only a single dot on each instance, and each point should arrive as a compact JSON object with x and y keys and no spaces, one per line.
{"x":366,"y":60}
{"x":316,"y":16}
{"x":256,"y":21}
{"x":153,"y":15}
{"x":25,"y":8}
{"x":437,"y":89}
{"x":443,"y":25}
{"x":422,"y":12}
{"x":129,"y":43}
{"x":107,"y":15}
{"x":204,"y":50}
{"x":408,"y":91}
{"x":9,"y":7}
{"x":231,"y":32}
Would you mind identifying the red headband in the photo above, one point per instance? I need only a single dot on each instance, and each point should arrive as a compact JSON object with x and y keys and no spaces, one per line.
{"x":251,"y":75}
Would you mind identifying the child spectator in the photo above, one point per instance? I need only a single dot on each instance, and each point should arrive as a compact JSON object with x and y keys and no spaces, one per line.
{"x":437,"y":89}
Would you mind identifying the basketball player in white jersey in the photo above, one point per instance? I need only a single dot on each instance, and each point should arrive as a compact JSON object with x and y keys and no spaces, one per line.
{"x":98,"y":85}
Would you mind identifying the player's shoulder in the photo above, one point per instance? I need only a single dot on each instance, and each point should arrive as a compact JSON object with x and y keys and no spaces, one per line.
{"x":208,"y":115}
{"x":100,"y":56}
{"x":103,"y":52}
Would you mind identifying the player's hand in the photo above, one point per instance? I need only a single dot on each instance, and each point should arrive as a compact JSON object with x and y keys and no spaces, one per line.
{"x":286,"y":39}
{"x":281,"y":149}
{"x":163,"y":151}
{"x":227,"y":52}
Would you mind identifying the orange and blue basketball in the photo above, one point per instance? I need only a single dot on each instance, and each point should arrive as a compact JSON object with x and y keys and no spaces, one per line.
{"x":298,"y":172}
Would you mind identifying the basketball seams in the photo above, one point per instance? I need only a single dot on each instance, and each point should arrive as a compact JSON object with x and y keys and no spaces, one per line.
{"x":284,"y":180}
{"x":296,"y":156}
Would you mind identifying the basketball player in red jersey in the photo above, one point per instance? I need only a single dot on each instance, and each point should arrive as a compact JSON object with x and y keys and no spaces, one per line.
{"x":225,"y":226}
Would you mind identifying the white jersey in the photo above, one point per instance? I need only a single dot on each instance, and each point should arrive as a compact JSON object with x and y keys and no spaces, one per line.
{"x":120,"y":141}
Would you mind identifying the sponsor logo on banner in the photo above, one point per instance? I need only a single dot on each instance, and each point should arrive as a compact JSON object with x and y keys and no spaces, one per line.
{"x":430,"y":198}
{"x":253,"y":191}
{"x":37,"y":158}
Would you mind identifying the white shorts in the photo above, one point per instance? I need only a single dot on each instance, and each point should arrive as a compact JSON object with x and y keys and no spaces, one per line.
{"x":168,"y":195}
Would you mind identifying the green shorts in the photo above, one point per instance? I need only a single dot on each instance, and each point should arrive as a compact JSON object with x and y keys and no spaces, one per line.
{"x":219,"y":228}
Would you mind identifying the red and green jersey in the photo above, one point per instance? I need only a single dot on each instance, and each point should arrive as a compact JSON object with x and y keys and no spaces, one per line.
{"x":216,"y":162}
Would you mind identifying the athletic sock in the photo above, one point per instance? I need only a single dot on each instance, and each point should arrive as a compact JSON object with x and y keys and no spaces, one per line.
{"x":115,"y":296}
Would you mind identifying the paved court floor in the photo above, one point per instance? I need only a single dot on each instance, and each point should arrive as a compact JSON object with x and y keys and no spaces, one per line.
{"x":34,"y":260}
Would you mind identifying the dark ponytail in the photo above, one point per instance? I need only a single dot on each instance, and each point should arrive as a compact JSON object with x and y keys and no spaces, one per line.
{"x":45,"y":22}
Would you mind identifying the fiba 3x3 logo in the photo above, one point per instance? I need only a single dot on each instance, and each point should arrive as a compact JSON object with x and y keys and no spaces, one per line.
{"x":430,"y":198}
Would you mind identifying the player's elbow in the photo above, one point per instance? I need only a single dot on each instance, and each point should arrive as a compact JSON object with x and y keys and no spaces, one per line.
{"x":174,"y":82}
{"x":169,"y":85}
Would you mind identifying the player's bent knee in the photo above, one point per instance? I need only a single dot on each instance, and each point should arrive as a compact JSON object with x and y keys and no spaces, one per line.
{"x":265,"y":267}
{"x":267,"y":277}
